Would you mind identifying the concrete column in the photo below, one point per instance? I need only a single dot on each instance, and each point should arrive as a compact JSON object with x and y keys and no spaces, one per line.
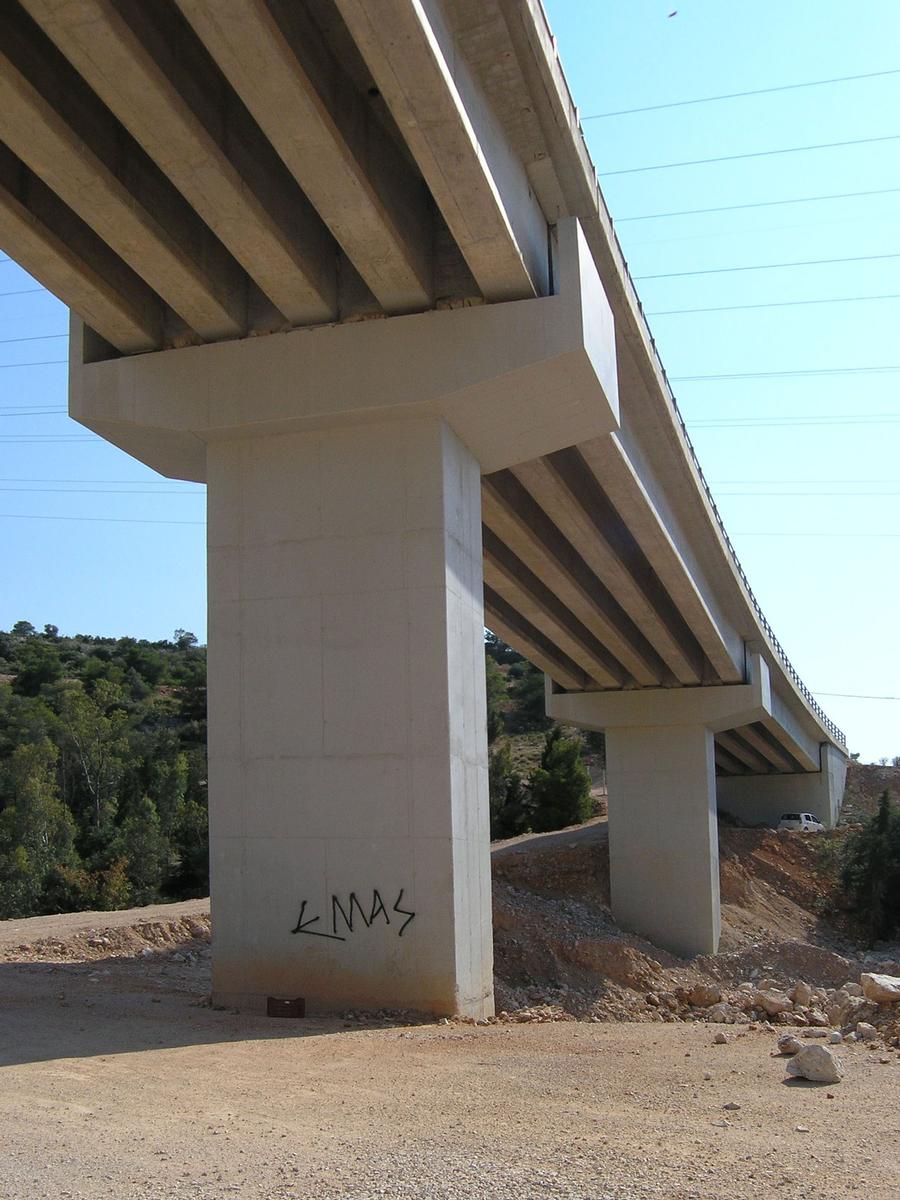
{"x":348,"y":756}
{"x":663,"y":838}
{"x":661,"y":778}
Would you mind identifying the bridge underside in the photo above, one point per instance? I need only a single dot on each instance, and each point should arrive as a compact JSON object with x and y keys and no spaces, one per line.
{"x":347,"y":261}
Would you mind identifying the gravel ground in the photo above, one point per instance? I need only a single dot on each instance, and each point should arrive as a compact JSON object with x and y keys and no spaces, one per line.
{"x":116,"y":1081}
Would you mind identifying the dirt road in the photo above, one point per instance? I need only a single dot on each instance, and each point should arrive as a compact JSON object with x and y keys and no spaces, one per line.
{"x":115,"y":1083}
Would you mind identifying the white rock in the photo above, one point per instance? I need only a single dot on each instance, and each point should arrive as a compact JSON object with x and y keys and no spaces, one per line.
{"x":817,"y":1063}
{"x":866,"y":1032}
{"x":772,"y":1001}
{"x":883,"y":989}
{"x":788,"y":1044}
{"x":801,"y":993}
{"x":704,"y":994}
{"x":835,"y":1037}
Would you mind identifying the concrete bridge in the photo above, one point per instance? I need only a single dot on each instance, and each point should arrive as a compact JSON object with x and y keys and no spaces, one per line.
{"x":347,"y":262}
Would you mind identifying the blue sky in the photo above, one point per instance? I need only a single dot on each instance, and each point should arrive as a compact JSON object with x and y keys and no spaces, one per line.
{"x":808,"y":483}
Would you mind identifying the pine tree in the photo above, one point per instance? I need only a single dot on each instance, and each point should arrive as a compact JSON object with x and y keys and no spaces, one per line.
{"x":560,"y":785}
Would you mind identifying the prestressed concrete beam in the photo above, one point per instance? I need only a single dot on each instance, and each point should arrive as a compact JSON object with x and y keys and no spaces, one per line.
{"x":476,"y":179}
{"x":43,"y":139}
{"x":518,"y":520}
{"x":131,"y":325}
{"x":553,"y":489}
{"x":754,"y":761}
{"x":359,"y":185}
{"x":295,"y":272}
{"x":509,"y":624}
{"x":760,"y":739}
{"x":510,"y":578}
{"x":621,"y":482}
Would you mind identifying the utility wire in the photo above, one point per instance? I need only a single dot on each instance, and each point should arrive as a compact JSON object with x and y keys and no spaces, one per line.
{"x":136,"y":482}
{"x":809,"y":373}
{"x":837,"y":419}
{"x":45,"y":362}
{"x":810,"y":262}
{"x":41,"y":337}
{"x":700,"y":162}
{"x":855,"y":696}
{"x":124,"y":492}
{"x":24,"y":292}
{"x":784,"y":87}
{"x":674,"y":312}
{"x":758,"y":495}
{"x":812,"y":533}
{"x":106,"y":520}
{"x":695,"y":212}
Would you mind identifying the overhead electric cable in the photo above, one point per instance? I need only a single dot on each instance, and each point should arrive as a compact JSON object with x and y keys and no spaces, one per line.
{"x":700,"y":162}
{"x":109,"y":520}
{"x":809,"y":262}
{"x":695,"y":212}
{"x":783,"y":87}
{"x":806,"y":373}
{"x":772,"y":422}
{"x":136,"y":482}
{"x":23,"y":292}
{"x":812,"y":533}
{"x":44,"y":362}
{"x":116,"y":492}
{"x":854,"y":696}
{"x":40,"y":337}
{"x":673,"y":312}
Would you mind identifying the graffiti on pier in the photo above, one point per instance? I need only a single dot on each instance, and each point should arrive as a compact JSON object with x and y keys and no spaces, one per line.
{"x":343,"y":914}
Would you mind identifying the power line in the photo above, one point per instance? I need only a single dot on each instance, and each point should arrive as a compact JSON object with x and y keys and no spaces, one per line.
{"x":107,"y":492}
{"x":771,"y":533}
{"x":807,"y":373}
{"x":837,"y":419}
{"x":24,"y":292}
{"x":784,"y":87}
{"x":44,"y":362}
{"x":700,"y":162}
{"x":32,"y":412}
{"x":769,"y":482}
{"x":137,"y":482}
{"x":810,"y":262}
{"x":40,"y":337}
{"x":761,"y":495}
{"x":674,"y":312}
{"x":854,"y":696}
{"x":695,"y":212}
{"x":105,"y":520}
{"x":48,"y":438}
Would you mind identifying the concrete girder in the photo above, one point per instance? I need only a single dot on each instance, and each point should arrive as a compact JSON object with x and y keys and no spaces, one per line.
{"x":294,"y":268}
{"x":518,"y":632}
{"x":477,"y":181}
{"x":42,"y":138}
{"x":549,"y":488}
{"x":359,"y":185}
{"x":528,"y":595}
{"x":611,"y":465}
{"x":132,"y":325}
{"x":726,"y":762}
{"x":760,"y":739}
{"x":518,"y":521}
{"x":752,"y":759}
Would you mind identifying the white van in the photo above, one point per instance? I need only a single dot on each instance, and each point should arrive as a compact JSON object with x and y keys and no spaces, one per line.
{"x":805,"y":822}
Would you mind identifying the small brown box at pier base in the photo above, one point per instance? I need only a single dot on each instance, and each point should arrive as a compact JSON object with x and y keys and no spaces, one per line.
{"x":277,"y":1007}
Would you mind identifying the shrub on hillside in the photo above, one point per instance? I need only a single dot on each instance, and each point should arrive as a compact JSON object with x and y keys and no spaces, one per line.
{"x":560,"y":785}
{"x":870,"y":871}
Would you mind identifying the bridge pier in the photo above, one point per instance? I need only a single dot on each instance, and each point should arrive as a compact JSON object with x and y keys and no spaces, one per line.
{"x":348,"y":773}
{"x":347,"y":726}
{"x":661,"y":779}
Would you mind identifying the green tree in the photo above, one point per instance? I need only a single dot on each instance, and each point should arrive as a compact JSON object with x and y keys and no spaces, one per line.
{"x":94,"y":732}
{"x":144,"y":849}
{"x":560,"y":785}
{"x":870,"y":871}
{"x":37,"y":832}
{"x":526,"y":693}
{"x":510,"y":808}
{"x":38,"y":663}
{"x":496,"y":698}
